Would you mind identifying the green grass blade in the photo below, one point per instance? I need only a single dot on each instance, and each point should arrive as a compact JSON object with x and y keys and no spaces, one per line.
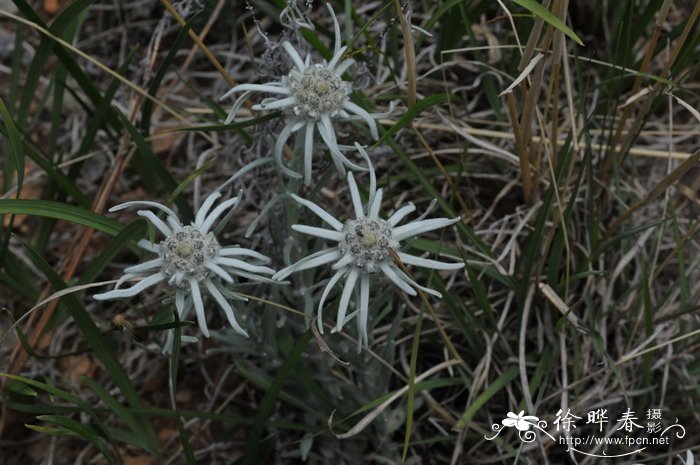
{"x":83,"y":431}
{"x":90,"y":331}
{"x":51,"y":389}
{"x":125,"y":237}
{"x":16,"y":158}
{"x":408,"y":117}
{"x":488,"y":393}
{"x":468,"y":233}
{"x":154,"y":165}
{"x":126,"y":416}
{"x":174,"y":366}
{"x":411,"y":395}
{"x":58,"y":26}
{"x":162,"y":69}
{"x":60,"y":179}
{"x":251,"y":453}
{"x":232,"y":126}
{"x":60,"y":211}
{"x":541,"y":12}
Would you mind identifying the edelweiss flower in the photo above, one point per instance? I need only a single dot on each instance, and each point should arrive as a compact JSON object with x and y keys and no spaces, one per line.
{"x":366,"y":245}
{"x":316,"y":95}
{"x":188,"y":258}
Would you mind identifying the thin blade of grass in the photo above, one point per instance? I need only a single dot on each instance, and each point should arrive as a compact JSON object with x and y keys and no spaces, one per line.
{"x":411,"y":397}
{"x":408,"y":117}
{"x":251,"y":453}
{"x":83,"y":431}
{"x":61,"y":211}
{"x":89,"y":329}
{"x":541,"y":12}
{"x":154,"y":165}
{"x":174,"y":366}
{"x":488,"y":393}
{"x":150,"y":440}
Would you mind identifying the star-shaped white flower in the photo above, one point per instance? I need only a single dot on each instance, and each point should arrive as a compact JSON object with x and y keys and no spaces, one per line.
{"x":316,"y":95}
{"x":366,"y":245}
{"x":189,"y":258}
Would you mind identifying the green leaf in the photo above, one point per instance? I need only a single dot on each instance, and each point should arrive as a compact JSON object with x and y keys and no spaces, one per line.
{"x":411,"y":395}
{"x":489,"y":392}
{"x":43,"y":51}
{"x":20,"y":388}
{"x":15,"y":163}
{"x":52,"y":172}
{"x":162,"y":70}
{"x":189,"y":179}
{"x":126,"y":416}
{"x":231,"y":126}
{"x":251,"y":453}
{"x":16,"y":159}
{"x":417,"y":172}
{"x":174,"y":365}
{"x":546,"y":15}
{"x":101,"y":113}
{"x":81,"y":430}
{"x":60,"y":211}
{"x":89,"y":329}
{"x":51,"y":389}
{"x":411,"y":113}
{"x":121,"y":240}
{"x":154,"y":165}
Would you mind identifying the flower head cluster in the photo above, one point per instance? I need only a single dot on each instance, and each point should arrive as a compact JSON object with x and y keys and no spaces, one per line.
{"x":315,"y":95}
{"x":366,"y":245}
{"x":189,"y":258}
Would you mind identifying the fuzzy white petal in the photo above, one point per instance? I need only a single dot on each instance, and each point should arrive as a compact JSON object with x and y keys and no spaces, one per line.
{"x":336,"y":57}
{"x":389,"y":272}
{"x":336,"y":29}
{"x":298,"y":62}
{"x":345,"y":298}
{"x":204,"y":209}
{"x":286,"y":102}
{"x":214,"y":215}
{"x":362,"y":336}
{"x":343,"y":66}
{"x":408,"y":279}
{"x":319,"y":232}
{"x":320,"y":212}
{"x":419,"y":227}
{"x":140,"y":268}
{"x":298,"y":266}
{"x":242,"y":252}
{"x":269,"y":87}
{"x":343,"y":262}
{"x":217,"y":270}
{"x":241,"y":265}
{"x":308,"y":151}
{"x":155,"y":221}
{"x":223,"y":303}
{"x":428,"y":263}
{"x":373,"y":212}
{"x":279,"y":145}
{"x":146,"y":245}
{"x":331,"y":283}
{"x":133,"y":290}
{"x":401,"y":213}
{"x":355,"y":195}
{"x":199,"y":307}
{"x":364,"y":115}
